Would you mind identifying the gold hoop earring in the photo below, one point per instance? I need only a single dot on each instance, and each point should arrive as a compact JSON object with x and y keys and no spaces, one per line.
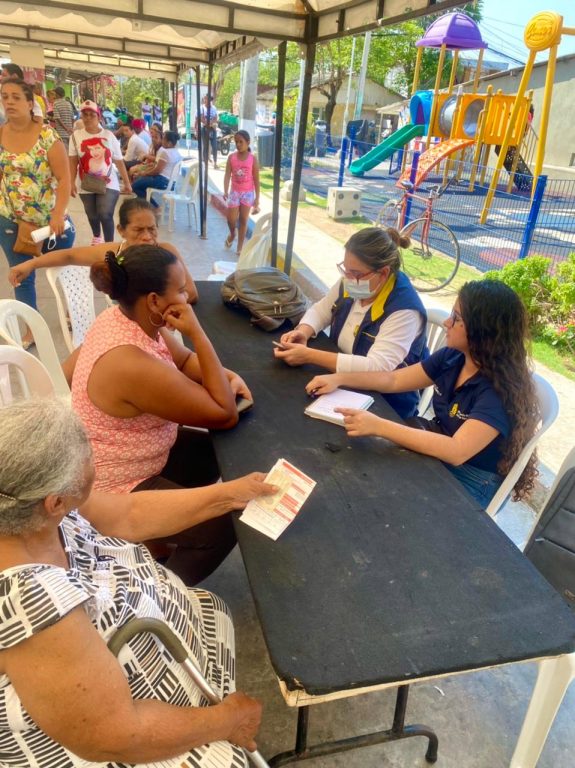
{"x":156,"y":325}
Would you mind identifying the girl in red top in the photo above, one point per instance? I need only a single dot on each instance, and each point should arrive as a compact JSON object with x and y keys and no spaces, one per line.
{"x":243,"y":171}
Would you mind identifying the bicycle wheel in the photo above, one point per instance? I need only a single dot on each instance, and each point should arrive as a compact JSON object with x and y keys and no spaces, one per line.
{"x":388,"y":215}
{"x":432,"y":259}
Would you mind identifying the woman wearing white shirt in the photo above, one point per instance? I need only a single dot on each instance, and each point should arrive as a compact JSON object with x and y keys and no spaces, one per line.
{"x":158,"y":175}
{"x":95,"y":151}
{"x":374,"y":314}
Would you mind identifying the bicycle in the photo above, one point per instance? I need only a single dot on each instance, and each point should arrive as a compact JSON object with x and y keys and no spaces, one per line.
{"x":432,"y":260}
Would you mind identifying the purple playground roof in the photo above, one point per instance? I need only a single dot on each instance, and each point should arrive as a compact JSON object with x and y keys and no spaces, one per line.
{"x":456,"y":30}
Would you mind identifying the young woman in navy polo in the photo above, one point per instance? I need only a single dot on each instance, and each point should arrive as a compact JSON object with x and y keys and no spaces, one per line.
{"x":484,"y":398}
{"x":374,"y":314}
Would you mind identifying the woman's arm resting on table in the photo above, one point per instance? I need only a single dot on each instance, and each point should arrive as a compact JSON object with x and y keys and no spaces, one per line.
{"x":401,"y":380}
{"x":147,"y":515}
{"x":467,"y":442}
{"x":76,"y":692}
{"x":127,"y":381}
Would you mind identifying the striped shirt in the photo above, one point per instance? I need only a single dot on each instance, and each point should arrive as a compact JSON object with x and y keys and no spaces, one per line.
{"x":115,"y":581}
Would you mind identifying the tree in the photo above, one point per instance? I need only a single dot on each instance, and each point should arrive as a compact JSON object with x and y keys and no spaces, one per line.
{"x":133,"y":92}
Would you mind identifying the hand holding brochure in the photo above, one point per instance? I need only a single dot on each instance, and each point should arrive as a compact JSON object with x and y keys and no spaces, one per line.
{"x":325,"y":405}
{"x":272,"y":514}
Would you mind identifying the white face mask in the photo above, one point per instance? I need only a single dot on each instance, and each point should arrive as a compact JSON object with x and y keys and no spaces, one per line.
{"x":358,"y":289}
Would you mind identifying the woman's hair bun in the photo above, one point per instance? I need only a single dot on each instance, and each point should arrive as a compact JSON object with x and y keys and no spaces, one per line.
{"x":402,"y":241}
{"x":109,"y":277}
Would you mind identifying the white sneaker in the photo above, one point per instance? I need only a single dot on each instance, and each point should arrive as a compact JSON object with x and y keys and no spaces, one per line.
{"x":97,"y":241}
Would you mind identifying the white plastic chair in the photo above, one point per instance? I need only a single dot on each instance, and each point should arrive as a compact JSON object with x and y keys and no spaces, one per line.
{"x":158,"y":195}
{"x":435,"y":340}
{"x":74,"y":295}
{"x":10,"y":312}
{"x":186,"y":194}
{"x":553,"y":679}
{"x":549,"y":409}
{"x":33,"y":377}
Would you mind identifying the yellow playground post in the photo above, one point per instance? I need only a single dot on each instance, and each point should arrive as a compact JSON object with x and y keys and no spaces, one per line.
{"x":543,"y":31}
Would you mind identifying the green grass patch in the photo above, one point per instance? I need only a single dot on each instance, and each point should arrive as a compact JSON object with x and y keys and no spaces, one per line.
{"x":549,"y":355}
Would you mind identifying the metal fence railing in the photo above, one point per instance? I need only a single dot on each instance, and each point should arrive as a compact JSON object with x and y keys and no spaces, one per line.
{"x":510,"y":231}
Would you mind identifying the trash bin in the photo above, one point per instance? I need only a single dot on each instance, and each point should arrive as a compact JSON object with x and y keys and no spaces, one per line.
{"x":320,"y":139}
{"x":265,"y":140}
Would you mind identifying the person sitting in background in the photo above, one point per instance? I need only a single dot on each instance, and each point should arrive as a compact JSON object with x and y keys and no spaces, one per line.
{"x":484,"y":401}
{"x":66,"y":588}
{"x":136,"y":148}
{"x":139,"y":127}
{"x":133,"y":384}
{"x":375,"y":316}
{"x":137,"y":225}
{"x":158,"y":174}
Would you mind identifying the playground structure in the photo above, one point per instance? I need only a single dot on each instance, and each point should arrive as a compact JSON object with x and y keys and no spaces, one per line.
{"x":544,"y":31}
{"x":455,"y":123}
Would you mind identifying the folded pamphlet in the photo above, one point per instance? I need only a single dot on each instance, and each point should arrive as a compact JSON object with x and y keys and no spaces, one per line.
{"x":272,"y":514}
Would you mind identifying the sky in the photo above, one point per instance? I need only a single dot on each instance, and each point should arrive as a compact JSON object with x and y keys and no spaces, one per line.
{"x":504,"y":22}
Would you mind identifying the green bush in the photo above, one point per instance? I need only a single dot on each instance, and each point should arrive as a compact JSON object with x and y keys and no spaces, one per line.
{"x":548,"y":295}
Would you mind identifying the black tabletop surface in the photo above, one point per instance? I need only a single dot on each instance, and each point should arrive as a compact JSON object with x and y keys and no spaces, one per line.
{"x":390,"y":572}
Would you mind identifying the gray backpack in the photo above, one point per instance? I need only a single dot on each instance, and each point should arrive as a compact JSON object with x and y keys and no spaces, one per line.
{"x":551,"y":547}
{"x":270,"y":296}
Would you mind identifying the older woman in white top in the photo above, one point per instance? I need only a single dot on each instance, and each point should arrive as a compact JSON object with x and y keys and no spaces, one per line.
{"x":374,"y":314}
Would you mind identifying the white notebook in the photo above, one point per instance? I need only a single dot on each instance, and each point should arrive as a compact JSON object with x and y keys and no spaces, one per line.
{"x":324,"y":406}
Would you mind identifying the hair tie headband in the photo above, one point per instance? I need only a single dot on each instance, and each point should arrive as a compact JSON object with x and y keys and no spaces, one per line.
{"x":7,"y":496}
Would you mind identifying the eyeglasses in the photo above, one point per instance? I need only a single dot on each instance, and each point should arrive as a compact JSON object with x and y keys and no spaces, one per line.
{"x":455,"y":317}
{"x":353,"y":274}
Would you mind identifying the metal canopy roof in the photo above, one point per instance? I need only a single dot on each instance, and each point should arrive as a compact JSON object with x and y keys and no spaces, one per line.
{"x":158,"y":37}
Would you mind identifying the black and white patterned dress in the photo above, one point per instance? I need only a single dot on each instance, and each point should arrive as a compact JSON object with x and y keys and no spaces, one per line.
{"x":115,"y":581}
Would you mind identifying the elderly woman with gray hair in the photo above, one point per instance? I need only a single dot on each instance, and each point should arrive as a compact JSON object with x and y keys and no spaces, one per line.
{"x":65,"y":588}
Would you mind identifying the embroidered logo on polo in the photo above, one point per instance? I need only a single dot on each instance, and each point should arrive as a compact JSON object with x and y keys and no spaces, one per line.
{"x":455,"y":413}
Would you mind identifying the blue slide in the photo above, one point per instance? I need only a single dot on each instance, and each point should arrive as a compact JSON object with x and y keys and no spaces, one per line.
{"x":388,"y":146}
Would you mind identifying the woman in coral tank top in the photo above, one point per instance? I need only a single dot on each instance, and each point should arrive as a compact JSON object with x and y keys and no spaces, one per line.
{"x":243,"y":171}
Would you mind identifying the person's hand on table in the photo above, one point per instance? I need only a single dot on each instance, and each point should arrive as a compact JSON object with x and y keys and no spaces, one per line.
{"x":239,"y":386}
{"x":57,"y":223}
{"x":321,"y":385}
{"x":293,"y":354}
{"x":294,"y":337}
{"x":20,"y":272}
{"x":246,"y":715}
{"x":246,"y":488}
{"x":359,"y":423}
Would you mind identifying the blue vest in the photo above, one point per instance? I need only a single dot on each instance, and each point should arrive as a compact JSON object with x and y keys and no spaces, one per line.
{"x":403,"y":296}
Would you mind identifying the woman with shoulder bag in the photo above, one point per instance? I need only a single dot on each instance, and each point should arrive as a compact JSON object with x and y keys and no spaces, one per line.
{"x":96,"y":157}
{"x":34,"y":187}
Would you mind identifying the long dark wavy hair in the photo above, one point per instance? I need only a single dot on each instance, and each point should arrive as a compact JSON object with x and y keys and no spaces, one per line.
{"x":497,"y":330}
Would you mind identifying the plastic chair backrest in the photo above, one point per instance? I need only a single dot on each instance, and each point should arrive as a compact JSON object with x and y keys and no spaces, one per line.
{"x":188,"y":189}
{"x":435,"y":340}
{"x":34,"y":378}
{"x":10,"y":312}
{"x":262,"y":225}
{"x":174,"y":177}
{"x":78,"y":292}
{"x":549,"y":410}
